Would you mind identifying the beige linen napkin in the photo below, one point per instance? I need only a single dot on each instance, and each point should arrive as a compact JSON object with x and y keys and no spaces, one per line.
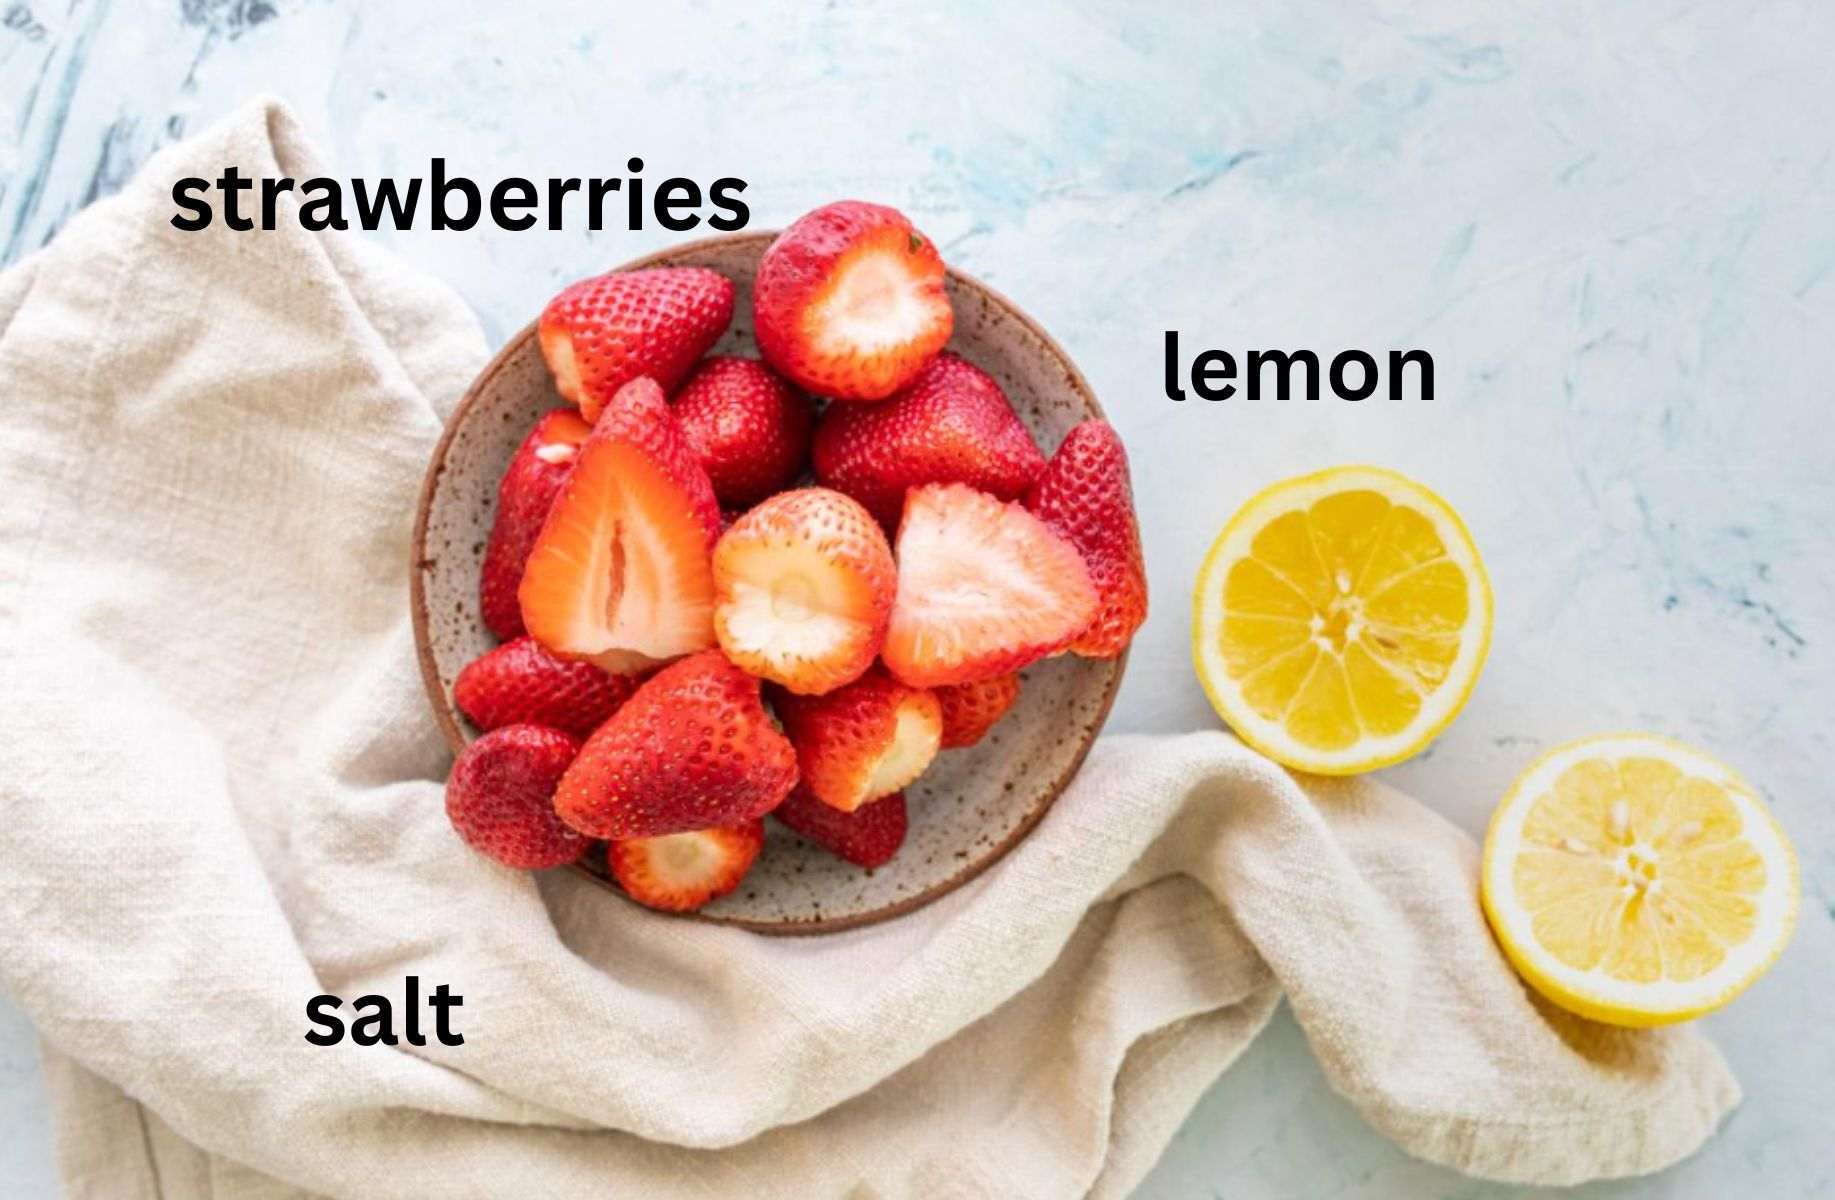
{"x":221,"y":795}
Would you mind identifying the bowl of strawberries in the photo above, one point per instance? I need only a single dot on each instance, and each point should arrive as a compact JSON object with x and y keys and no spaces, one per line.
{"x":780,"y":580}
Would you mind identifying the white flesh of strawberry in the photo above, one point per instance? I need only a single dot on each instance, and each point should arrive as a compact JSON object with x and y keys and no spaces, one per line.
{"x":686,"y":860}
{"x":654,"y":620}
{"x":788,"y":603}
{"x":973,"y":572}
{"x":557,"y":349}
{"x":915,"y":740}
{"x":873,"y":304}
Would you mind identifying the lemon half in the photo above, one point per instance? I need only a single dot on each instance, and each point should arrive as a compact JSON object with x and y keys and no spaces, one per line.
{"x":1636,"y":881}
{"x":1341,"y":619}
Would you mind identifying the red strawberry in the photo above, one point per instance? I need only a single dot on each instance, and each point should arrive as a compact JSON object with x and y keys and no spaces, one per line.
{"x":500,"y":797}
{"x":984,"y":588}
{"x":693,"y":749}
{"x":971,"y":709}
{"x":867,"y":837}
{"x":866,"y":740}
{"x":525,"y":495}
{"x":521,"y":683}
{"x":622,"y":571}
{"x":1084,"y":496}
{"x":603,"y":332}
{"x":849,"y":301}
{"x":803,"y":587}
{"x":749,"y":428}
{"x":680,"y":872}
{"x":952,"y":425}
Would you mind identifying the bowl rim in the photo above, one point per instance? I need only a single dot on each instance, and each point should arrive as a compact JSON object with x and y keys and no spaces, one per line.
{"x":444,"y":709}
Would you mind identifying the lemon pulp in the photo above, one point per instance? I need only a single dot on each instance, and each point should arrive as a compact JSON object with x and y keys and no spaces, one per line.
{"x":1341,"y":619}
{"x":1637,"y":881}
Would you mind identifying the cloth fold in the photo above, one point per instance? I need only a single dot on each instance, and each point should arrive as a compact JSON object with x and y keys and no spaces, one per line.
{"x":222,"y":795}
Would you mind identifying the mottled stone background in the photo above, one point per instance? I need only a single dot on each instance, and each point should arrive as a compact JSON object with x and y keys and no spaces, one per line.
{"x":1613,"y":225}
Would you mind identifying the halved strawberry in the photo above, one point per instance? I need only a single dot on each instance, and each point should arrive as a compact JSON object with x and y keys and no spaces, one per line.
{"x":984,"y":588}
{"x":849,"y":301}
{"x":867,"y":837}
{"x":520,"y":682}
{"x":622,"y":572}
{"x":749,"y":428}
{"x":951,"y":425}
{"x":1085,"y":496}
{"x":534,"y":478}
{"x":803,"y":587}
{"x":866,"y":740}
{"x":603,"y":332}
{"x":500,"y":797}
{"x":971,"y":709}
{"x":693,"y":749}
{"x":680,"y":872}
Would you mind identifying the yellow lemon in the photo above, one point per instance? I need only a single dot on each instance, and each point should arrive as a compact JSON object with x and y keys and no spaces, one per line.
{"x":1634,"y":880}
{"x":1340,"y":619}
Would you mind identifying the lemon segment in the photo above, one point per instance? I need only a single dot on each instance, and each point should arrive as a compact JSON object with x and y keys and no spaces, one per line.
{"x":1340,"y":620}
{"x":1636,"y":881}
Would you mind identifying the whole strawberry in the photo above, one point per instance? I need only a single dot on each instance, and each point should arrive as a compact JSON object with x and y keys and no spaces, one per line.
{"x":1084,"y":495}
{"x":951,"y":425}
{"x":849,"y":301}
{"x":693,"y":749}
{"x":603,"y":332}
{"x":749,"y":427}
{"x":526,"y":493}
{"x":520,"y":682}
{"x":971,"y":709}
{"x":500,"y":797}
{"x":867,"y":837}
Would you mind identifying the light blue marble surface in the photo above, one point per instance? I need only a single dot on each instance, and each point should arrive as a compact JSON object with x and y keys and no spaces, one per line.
{"x":1612,"y":224}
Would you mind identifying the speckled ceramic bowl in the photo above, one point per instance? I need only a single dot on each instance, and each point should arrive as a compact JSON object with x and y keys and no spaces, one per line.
{"x":972,"y":805}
